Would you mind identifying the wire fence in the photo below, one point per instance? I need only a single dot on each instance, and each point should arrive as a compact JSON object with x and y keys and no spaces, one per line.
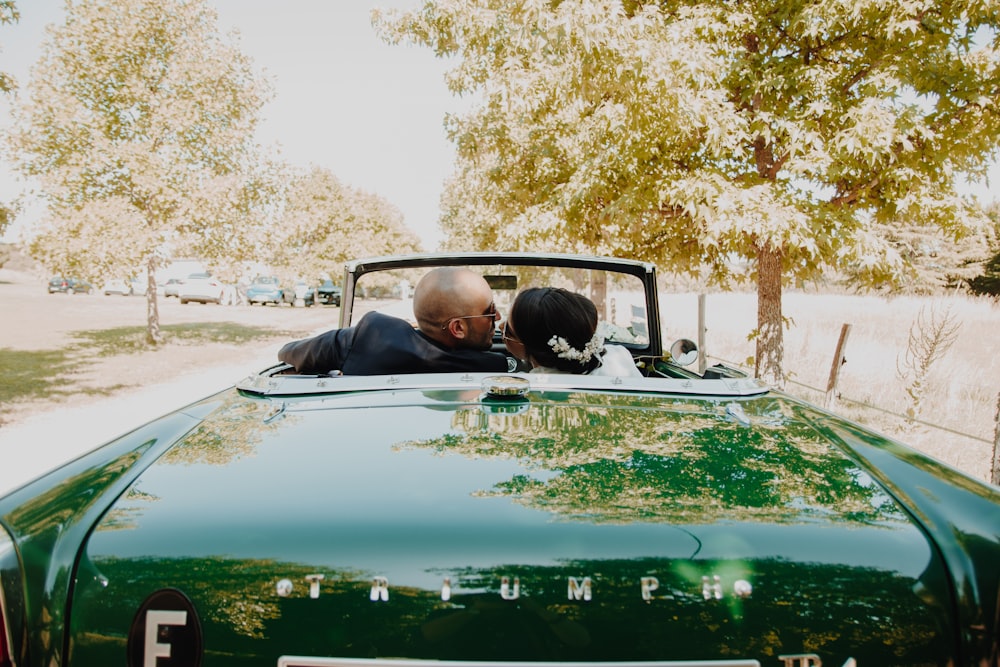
{"x":862,"y":404}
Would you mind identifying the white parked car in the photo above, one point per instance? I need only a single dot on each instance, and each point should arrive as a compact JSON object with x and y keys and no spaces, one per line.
{"x":172,"y":287}
{"x":201,"y":287}
{"x":115,"y":286}
{"x":138,"y":286}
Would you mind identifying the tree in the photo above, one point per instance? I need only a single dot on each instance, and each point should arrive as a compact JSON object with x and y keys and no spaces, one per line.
{"x":8,"y":15}
{"x":326,"y":223}
{"x":138,"y":125}
{"x":692,"y":133}
{"x":987,"y":281}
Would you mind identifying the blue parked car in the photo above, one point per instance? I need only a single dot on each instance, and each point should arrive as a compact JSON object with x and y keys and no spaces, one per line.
{"x":265,"y":290}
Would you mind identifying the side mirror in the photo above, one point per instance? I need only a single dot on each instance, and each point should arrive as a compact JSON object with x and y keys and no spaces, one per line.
{"x":684,"y":352}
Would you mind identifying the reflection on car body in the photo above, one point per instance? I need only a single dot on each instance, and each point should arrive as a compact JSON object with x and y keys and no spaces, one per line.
{"x":503,"y":519}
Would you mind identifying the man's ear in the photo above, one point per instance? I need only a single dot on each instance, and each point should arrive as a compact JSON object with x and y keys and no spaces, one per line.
{"x":456,"y":329}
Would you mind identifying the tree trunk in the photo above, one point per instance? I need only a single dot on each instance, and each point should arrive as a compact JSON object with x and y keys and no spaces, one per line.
{"x":153,"y":335}
{"x":599,"y":293}
{"x":770,"y":335}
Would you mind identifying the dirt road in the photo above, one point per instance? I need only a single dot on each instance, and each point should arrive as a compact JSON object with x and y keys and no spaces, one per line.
{"x":113,"y":395}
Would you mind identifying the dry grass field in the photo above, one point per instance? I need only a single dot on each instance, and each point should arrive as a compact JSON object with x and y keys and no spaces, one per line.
{"x":961,"y":388}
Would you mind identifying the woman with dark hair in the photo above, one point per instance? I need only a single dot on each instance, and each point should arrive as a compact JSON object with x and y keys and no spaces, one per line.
{"x":556,"y":331}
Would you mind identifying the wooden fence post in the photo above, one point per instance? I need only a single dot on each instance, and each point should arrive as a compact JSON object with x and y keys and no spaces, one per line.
{"x":838,"y":360}
{"x":995,"y":468}
{"x":701,"y":334}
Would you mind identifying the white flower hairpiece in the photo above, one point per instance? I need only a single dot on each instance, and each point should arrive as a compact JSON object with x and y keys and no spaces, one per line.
{"x":564,"y":350}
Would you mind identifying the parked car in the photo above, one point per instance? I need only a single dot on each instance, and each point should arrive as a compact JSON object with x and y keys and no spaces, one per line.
{"x":138,"y":286}
{"x":59,"y":284}
{"x":506,"y":519}
{"x":265,"y":290}
{"x":297,"y":292}
{"x":201,"y":287}
{"x":329,"y":293}
{"x":172,"y":287}
{"x":117,"y":287}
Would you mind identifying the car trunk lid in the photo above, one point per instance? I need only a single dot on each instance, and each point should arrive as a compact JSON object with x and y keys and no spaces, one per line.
{"x":574,"y":526}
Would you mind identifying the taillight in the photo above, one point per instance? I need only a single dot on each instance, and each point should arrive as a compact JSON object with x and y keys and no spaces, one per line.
{"x":11,"y":601}
{"x":5,"y":658}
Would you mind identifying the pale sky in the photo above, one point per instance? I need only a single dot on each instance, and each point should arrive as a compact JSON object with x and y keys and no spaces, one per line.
{"x":369,"y":112}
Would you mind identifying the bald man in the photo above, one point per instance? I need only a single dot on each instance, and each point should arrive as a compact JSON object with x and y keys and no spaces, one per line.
{"x":455,"y":317}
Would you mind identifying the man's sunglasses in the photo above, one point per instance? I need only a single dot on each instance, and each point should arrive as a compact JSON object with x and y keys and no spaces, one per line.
{"x":491,"y":312}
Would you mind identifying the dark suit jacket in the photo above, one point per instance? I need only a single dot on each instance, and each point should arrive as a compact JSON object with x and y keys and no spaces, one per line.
{"x":383,"y":345}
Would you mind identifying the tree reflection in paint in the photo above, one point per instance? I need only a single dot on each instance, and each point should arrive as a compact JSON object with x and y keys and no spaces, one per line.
{"x":234,"y":431}
{"x":648,"y":459}
{"x":836,"y":611}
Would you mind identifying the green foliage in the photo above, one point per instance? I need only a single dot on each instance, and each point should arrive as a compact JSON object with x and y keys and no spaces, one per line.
{"x":692,"y":134}
{"x":993,"y":216}
{"x":934,"y":262}
{"x":6,"y":217}
{"x":689,"y":132}
{"x":8,"y":14}
{"x":326,"y":223}
{"x":139,"y":124}
{"x":989,"y":282}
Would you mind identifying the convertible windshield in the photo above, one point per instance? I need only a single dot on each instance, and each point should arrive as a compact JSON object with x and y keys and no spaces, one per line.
{"x":619,"y":297}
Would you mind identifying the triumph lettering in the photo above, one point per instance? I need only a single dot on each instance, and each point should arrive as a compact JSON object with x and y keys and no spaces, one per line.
{"x":380,"y":590}
{"x":648,"y":585}
{"x":314,"y":580}
{"x":506,"y":592}
{"x":809,"y":660}
{"x":711,"y":588}
{"x":801,"y":660}
{"x":579,"y":591}
{"x":446,"y":589}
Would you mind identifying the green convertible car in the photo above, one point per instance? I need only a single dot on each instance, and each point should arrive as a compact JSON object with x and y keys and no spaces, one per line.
{"x":680,"y":518}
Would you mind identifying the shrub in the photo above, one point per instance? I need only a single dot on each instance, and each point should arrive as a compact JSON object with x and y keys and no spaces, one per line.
{"x":989,"y":282}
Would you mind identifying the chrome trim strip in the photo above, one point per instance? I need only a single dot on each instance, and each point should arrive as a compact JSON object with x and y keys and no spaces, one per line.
{"x":306,"y":661}
{"x":265,"y":384}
